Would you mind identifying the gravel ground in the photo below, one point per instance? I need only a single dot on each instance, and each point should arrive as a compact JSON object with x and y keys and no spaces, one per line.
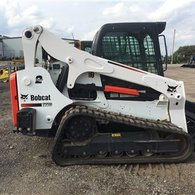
{"x":26,"y":166}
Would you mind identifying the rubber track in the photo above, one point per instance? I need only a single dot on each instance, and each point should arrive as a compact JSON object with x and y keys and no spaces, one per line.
{"x":160,"y":126}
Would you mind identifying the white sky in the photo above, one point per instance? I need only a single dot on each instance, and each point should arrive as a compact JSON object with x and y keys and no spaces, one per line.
{"x":83,"y":18}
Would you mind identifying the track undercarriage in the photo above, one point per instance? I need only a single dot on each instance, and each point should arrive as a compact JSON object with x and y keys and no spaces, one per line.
{"x":91,"y":136}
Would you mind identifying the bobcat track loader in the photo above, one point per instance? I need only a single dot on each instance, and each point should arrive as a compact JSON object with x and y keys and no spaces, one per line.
{"x":100,"y":111}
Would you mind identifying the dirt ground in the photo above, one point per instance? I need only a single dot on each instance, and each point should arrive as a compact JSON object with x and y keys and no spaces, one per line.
{"x":26,"y":166}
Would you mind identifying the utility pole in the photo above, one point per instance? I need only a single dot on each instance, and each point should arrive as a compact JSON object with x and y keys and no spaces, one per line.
{"x":174,"y":32}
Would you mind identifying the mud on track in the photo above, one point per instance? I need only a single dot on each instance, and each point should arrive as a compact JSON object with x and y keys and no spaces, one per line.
{"x":26,"y":166}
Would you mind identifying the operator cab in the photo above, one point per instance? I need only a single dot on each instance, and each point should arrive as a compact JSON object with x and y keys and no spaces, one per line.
{"x":133,"y":44}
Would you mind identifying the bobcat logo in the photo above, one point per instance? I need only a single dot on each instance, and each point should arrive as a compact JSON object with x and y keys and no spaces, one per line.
{"x":172,"y":89}
{"x":24,"y":97}
{"x":39,"y":79}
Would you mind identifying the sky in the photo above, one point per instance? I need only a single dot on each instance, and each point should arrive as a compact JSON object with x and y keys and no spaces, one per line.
{"x":82,"y":18}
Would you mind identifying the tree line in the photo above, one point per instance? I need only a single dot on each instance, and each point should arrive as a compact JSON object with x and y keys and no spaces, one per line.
{"x":183,"y":54}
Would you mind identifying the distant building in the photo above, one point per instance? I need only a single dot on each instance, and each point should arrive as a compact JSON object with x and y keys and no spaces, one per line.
{"x":10,"y":47}
{"x":1,"y":48}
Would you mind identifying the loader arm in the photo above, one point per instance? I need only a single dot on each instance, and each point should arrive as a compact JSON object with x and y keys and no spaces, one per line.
{"x":80,"y":62}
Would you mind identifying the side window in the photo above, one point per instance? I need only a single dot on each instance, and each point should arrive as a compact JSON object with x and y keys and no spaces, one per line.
{"x":87,"y":49}
{"x":132,"y":49}
{"x":149,"y":46}
{"x":150,"y":54}
{"x":128,"y":49}
{"x":120,"y":48}
{"x":110,"y":46}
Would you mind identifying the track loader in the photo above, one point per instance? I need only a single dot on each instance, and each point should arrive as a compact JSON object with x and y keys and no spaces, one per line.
{"x":100,"y":111}
{"x":191,"y":63}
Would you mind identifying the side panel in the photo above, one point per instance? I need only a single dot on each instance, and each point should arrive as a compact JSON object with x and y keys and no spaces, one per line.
{"x":156,"y":110}
{"x":36,"y":90}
